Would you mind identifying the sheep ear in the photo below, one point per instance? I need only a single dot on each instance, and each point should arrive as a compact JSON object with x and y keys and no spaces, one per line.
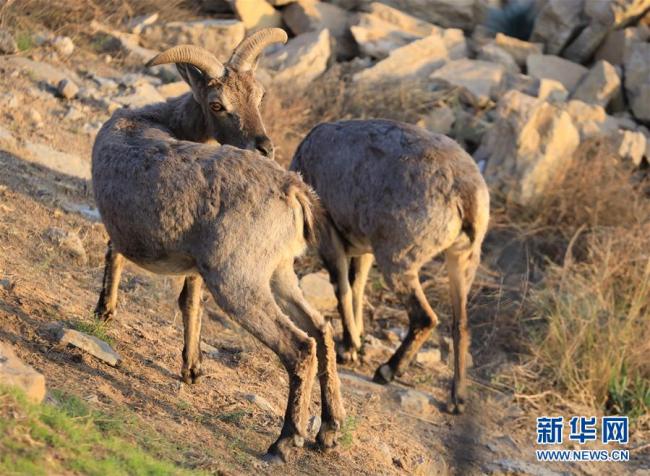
{"x":195,"y":78}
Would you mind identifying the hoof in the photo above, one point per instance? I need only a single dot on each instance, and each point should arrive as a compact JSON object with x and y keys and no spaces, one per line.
{"x":104,"y":315}
{"x":272,"y":459}
{"x":279,"y":451}
{"x":327,"y":435}
{"x":383,"y":375}
{"x":346,"y":355}
{"x":191,"y":375}
{"x":457,"y":404}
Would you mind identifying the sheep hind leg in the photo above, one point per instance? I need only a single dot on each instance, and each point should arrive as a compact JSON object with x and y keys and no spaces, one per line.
{"x":422,"y":320}
{"x":461,"y":267}
{"x":259,"y":314}
{"x":291,"y":300}
{"x":107,"y":302}
{"x":361,"y":267}
{"x":189,"y":302}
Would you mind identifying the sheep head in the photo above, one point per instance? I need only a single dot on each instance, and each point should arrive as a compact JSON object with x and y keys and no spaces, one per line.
{"x":229,"y":94}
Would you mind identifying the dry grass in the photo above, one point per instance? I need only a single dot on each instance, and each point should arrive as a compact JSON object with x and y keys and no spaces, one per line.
{"x":587,"y":331}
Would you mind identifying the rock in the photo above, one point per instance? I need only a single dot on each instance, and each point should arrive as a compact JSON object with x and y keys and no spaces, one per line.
{"x":416,"y":403}
{"x":69,"y":242}
{"x":440,"y":120}
{"x":530,"y":143}
{"x":303,"y":16}
{"x":67,"y":89}
{"x":313,"y":425}
{"x":374,"y":349}
{"x":9,"y":101}
{"x":73,"y":114}
{"x":38,"y":71}
{"x":142,"y":95}
{"x":209,"y":350}
{"x":428,"y":358}
{"x":261,"y":402}
{"x":618,"y":43}
{"x":591,"y":120}
{"x":319,"y":291}
{"x":480,"y":78}
{"x":556,"y":23}
{"x":417,"y":59}
{"x":256,"y":14}
{"x":58,"y":161}
{"x":519,"y":49}
{"x":91,"y":344}
{"x":359,"y":384}
{"x":217,"y":6}
{"x":599,"y":85}
{"x":301,"y":60}
{"x":637,"y":80}
{"x":603,"y":18}
{"x":15,"y":373}
{"x":7,"y":139}
{"x":174,"y":89}
{"x":86,"y":211}
{"x":35,"y":117}
{"x":554,"y":67}
{"x":631,"y":146}
{"x":446,"y":13}
{"x":402,"y":21}
{"x":494,"y":54}
{"x":551,"y":90}
{"x":447,"y":351}
{"x":63,"y":45}
{"x":377,"y":38}
{"x":7,"y":43}
{"x":138,"y":24}
{"x":218,"y":36}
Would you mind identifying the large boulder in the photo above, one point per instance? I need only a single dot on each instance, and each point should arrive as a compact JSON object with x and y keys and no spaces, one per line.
{"x":618,"y":44}
{"x":61,"y":162}
{"x":494,"y":54}
{"x":377,"y":38}
{"x":220,"y":37}
{"x":256,"y":14}
{"x":599,"y":85}
{"x":637,"y":80}
{"x":557,"y":22}
{"x":481,"y":78}
{"x":417,"y":59}
{"x":401,"y":20}
{"x":528,"y":147}
{"x":303,"y":16}
{"x":604,"y":16}
{"x":319,"y":291}
{"x":519,"y":49}
{"x":301,"y":60}
{"x":15,"y":373}
{"x":446,"y":13}
{"x":591,"y":120}
{"x":554,"y":67}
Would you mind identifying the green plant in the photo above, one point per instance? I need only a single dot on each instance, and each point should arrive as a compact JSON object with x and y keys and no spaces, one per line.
{"x":94,"y":327}
{"x":348,"y":427}
{"x":68,"y":437}
{"x":628,"y":396}
{"x":234,"y":417}
{"x":24,"y":41}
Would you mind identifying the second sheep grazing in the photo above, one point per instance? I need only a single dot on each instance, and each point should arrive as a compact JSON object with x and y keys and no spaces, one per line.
{"x":224,"y":216}
{"x":402,"y":195}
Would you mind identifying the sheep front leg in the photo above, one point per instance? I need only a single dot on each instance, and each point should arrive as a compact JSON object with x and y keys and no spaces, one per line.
{"x":189,"y":302}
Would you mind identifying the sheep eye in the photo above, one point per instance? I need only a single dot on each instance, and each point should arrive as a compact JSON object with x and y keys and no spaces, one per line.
{"x":216,"y":106}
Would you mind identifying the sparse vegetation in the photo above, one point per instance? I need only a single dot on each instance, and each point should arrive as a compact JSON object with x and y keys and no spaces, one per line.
{"x":85,"y":441}
{"x":94,"y":327}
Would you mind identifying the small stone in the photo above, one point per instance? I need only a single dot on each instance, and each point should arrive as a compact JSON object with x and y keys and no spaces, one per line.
{"x":631,"y":146}
{"x":35,"y":117}
{"x":14,"y":372}
{"x":318,"y":290}
{"x":56,"y":160}
{"x":375,"y":349}
{"x":69,"y":242}
{"x":552,"y":90}
{"x":416,"y":403}
{"x":137,"y":24}
{"x":91,"y":344}
{"x":7,"y":139}
{"x":260,"y":402}
{"x":519,"y":49}
{"x":174,"y":89}
{"x":67,"y":89}
{"x":5,"y":284}
{"x":441,"y":120}
{"x":481,"y":78}
{"x":209,"y":350}
{"x":7,"y":43}
{"x":313,"y":425}
{"x":428,"y":358}
{"x":495,"y":54}
{"x":63,"y":45}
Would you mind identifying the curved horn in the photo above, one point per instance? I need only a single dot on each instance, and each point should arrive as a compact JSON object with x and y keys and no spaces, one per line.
{"x":194,"y":55}
{"x":250,"y":48}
